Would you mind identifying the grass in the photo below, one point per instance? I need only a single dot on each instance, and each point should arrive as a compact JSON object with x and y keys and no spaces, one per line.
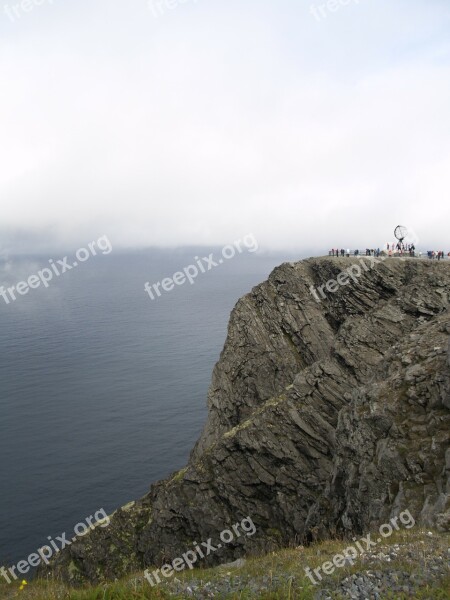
{"x":282,"y":573}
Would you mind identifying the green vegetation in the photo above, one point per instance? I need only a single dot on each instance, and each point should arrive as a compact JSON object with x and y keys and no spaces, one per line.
{"x":276,"y":576}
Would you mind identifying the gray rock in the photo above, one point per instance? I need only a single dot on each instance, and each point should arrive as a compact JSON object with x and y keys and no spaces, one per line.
{"x":324,"y":417}
{"x":237,"y":564}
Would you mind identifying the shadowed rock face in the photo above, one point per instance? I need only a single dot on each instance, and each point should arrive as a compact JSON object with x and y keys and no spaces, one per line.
{"x":324,"y":417}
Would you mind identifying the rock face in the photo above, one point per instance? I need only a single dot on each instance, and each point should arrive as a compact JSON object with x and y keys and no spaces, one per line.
{"x":328,"y":413}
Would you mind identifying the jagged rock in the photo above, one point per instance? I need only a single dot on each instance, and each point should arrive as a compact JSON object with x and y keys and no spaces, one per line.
{"x":324,"y":416}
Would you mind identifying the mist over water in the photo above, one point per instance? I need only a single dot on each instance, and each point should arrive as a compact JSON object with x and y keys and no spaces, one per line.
{"x":103,"y":391}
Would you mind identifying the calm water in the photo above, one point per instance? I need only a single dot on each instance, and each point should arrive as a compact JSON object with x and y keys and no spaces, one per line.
{"x":102,"y":390}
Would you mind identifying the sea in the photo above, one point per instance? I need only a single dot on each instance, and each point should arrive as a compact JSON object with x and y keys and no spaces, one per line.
{"x":102,"y":389}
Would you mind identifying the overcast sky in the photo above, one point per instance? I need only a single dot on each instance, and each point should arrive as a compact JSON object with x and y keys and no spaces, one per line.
{"x":198,"y":121}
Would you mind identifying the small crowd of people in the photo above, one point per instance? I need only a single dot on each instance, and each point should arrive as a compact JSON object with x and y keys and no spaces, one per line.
{"x":397,"y":248}
{"x":439,"y":255}
{"x":401,"y":248}
{"x":342,"y":252}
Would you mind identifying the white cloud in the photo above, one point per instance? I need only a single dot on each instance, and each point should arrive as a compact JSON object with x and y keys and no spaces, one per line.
{"x":216,"y":120}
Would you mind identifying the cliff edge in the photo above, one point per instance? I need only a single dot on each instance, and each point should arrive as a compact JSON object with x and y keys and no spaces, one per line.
{"x":329,"y":413}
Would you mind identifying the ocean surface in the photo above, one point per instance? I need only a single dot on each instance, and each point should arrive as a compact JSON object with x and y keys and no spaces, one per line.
{"x":102,"y":390}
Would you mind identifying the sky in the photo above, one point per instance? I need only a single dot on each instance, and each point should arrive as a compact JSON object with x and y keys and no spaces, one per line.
{"x":310,"y":124}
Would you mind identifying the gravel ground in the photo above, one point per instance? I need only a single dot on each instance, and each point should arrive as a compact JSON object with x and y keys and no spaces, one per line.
{"x":381,"y":574}
{"x":430,"y":563}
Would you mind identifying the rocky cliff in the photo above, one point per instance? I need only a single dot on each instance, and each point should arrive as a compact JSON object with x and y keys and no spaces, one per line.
{"x":329,"y":413}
